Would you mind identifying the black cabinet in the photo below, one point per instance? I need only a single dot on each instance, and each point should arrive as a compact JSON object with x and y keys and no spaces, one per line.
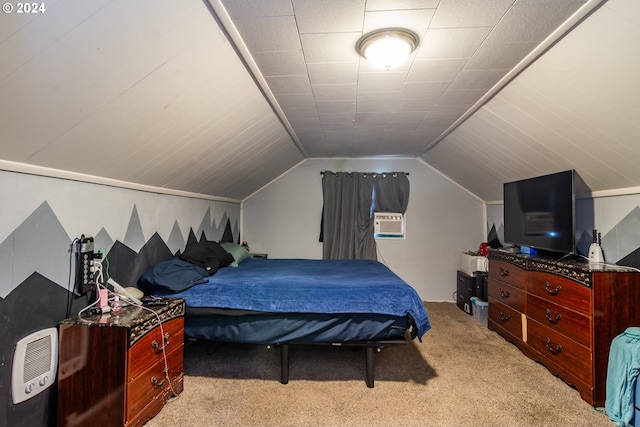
{"x":465,"y":290}
{"x":470,"y":286}
{"x":482,"y":286}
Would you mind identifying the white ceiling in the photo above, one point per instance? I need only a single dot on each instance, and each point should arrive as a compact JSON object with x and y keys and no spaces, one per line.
{"x":220,"y":97}
{"x":577,"y":107}
{"x":339,"y":105}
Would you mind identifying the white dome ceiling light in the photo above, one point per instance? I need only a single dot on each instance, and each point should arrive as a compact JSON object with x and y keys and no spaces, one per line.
{"x":387,"y":48}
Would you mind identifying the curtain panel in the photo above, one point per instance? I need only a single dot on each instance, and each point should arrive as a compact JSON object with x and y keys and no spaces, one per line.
{"x":349,"y":200}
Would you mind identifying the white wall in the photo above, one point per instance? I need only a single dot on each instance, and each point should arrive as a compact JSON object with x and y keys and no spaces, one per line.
{"x":442,"y":220}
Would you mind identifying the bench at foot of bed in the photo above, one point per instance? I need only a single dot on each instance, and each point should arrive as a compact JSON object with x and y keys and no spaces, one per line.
{"x":370,"y":347}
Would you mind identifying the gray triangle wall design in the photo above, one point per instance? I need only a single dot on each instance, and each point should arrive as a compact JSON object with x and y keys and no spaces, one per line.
{"x":34,"y":246}
{"x":36,"y":289}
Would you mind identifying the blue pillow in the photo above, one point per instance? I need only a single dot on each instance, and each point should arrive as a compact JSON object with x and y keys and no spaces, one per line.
{"x":174,"y":275}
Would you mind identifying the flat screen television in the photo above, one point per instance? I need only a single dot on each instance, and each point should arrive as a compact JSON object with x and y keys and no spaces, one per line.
{"x":540,"y":212}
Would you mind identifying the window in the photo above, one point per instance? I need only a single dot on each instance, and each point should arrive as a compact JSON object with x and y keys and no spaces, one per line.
{"x":351,"y":201}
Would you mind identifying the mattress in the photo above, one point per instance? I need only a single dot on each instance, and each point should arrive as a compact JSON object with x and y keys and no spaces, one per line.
{"x":302,"y":300}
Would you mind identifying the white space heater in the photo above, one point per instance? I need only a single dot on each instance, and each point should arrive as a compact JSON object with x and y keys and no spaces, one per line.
{"x":34,"y":364}
{"x":388,"y":225}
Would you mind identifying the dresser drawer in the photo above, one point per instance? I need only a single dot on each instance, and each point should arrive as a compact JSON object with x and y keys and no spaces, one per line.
{"x":148,"y":350}
{"x":567,"y":322}
{"x":505,"y":317}
{"x":152,"y":383}
{"x":561,"y":291}
{"x":506,"y":272}
{"x":115,"y":384}
{"x":508,"y":295}
{"x":565,"y":352}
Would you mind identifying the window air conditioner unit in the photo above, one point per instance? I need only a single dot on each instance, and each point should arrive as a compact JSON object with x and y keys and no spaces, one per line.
{"x":388,"y":225}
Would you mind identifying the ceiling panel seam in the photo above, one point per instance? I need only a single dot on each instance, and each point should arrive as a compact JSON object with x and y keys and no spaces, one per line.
{"x":574,"y":20}
{"x":222,"y":18}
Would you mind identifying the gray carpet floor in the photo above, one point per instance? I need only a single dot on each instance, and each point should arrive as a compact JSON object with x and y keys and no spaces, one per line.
{"x":461,"y":374}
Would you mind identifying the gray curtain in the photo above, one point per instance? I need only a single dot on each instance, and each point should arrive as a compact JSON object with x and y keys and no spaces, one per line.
{"x":348,"y":203}
{"x":391,"y":192}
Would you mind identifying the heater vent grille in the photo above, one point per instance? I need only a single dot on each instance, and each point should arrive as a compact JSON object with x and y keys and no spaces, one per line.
{"x":34,"y":364}
{"x":37,"y":358}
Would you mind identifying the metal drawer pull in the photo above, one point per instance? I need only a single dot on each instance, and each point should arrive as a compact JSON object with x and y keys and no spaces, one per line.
{"x":157,"y":383}
{"x":555,"y":291}
{"x":504,"y":294}
{"x":504,"y":272}
{"x":504,"y":317}
{"x":156,"y":346}
{"x":554,"y":350}
{"x":552,"y":319}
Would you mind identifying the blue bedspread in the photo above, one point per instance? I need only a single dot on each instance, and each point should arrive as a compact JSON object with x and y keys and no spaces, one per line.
{"x":309,"y":286}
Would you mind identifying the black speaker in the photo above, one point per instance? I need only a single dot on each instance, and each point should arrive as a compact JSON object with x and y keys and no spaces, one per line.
{"x":465,"y":290}
{"x":482,"y":286}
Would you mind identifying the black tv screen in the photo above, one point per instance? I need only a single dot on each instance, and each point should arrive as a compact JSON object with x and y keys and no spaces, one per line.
{"x":540,"y":212}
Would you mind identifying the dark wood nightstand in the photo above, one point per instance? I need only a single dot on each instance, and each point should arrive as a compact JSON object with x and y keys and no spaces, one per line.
{"x":112,"y":370}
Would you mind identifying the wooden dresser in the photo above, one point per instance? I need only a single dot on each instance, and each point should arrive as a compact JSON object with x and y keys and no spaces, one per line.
{"x":119,"y":370}
{"x":563,"y":314}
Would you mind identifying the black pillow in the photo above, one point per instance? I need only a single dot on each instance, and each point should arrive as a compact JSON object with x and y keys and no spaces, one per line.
{"x":208,"y":255}
{"x":173,"y":275}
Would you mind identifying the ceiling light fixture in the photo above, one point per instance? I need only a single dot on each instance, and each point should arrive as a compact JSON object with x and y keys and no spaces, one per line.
{"x":387,"y":48}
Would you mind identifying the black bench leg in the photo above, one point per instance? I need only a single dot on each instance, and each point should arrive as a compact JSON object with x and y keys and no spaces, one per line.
{"x":284,"y":363}
{"x":371,"y":364}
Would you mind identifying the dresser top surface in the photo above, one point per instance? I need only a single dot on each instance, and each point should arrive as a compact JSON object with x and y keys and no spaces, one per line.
{"x":131,"y":316}
{"x":573,"y":262}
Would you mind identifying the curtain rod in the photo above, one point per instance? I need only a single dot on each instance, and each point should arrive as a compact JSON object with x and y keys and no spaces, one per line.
{"x":372,"y":173}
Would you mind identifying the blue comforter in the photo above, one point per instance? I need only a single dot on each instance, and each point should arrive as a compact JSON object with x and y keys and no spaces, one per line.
{"x":309,"y":286}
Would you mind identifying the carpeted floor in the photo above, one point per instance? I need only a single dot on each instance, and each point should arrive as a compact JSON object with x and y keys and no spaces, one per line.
{"x":462,"y":374}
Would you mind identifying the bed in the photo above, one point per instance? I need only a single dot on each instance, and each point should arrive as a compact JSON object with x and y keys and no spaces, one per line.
{"x":283,"y":302}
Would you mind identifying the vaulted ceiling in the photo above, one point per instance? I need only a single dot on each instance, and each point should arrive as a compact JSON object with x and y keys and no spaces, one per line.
{"x":220,"y":97}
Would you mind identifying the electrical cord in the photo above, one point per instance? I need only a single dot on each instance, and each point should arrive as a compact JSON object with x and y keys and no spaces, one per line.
{"x":608,"y":264}
{"x":384,"y":261}
{"x":97,"y":273}
{"x":162,"y":335}
{"x":106,"y":262}
{"x":69,"y":281}
{"x":164,"y":350}
{"x":99,"y":278}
